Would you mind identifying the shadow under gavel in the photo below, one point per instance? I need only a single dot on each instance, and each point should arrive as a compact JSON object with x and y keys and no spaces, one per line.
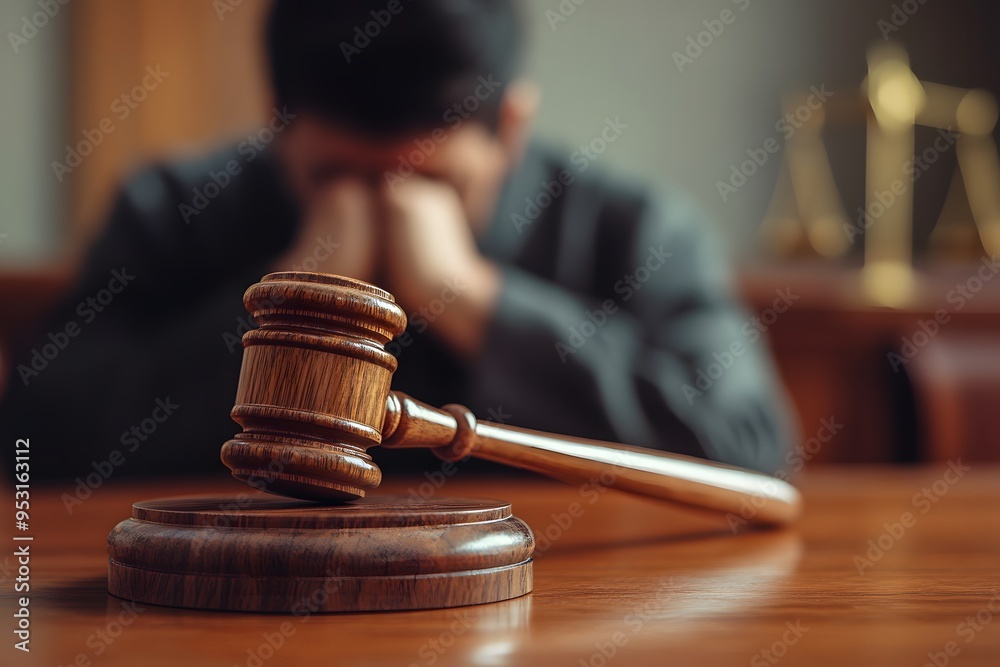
{"x":314,"y":394}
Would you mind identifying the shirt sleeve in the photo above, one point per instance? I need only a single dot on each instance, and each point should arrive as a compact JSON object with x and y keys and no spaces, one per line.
{"x":664,"y":357}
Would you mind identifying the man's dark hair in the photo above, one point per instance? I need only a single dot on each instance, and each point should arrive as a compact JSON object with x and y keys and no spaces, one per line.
{"x":391,"y":67}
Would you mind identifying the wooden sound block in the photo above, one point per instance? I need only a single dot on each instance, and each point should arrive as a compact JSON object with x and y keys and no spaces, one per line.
{"x":268,"y":554}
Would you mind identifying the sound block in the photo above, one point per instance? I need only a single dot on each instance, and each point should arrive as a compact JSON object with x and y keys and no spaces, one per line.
{"x":268,"y":554}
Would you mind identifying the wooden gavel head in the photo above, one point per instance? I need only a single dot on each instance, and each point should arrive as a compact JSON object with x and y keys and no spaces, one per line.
{"x":314,"y":395}
{"x":313,"y":386}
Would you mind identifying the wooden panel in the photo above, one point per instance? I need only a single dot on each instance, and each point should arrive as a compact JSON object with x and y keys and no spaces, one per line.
{"x":832,"y":352}
{"x":956,"y":380}
{"x":216,"y":88}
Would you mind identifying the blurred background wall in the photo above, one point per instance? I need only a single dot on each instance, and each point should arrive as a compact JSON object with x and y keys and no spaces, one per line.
{"x":699,"y":84}
{"x":34,"y":117}
{"x":690,"y":119}
{"x":92,"y":53}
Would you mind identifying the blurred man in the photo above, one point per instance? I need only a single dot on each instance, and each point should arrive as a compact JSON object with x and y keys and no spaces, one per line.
{"x":539,"y":293}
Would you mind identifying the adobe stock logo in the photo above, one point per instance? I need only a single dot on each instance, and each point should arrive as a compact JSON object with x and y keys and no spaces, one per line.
{"x":705,"y":378}
{"x":958,"y":298}
{"x":792,"y":121}
{"x":779,"y":647}
{"x":697,"y":44}
{"x":913,"y":169}
{"x":454,"y":116}
{"x":581,"y":159}
{"x":922,"y":502}
{"x":59,"y":340}
{"x":131,"y":440}
{"x":31,"y":25}
{"x":421,"y":319}
{"x":901,"y":13}
{"x":121,"y":108}
{"x":223,"y":7}
{"x":248,"y":150}
{"x":627,"y":287}
{"x":234,"y":341}
{"x":561,"y":14}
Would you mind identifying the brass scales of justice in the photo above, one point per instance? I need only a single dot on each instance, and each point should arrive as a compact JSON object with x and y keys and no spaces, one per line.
{"x":806,"y":216}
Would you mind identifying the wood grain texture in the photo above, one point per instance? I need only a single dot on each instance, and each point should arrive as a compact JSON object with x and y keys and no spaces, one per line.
{"x":313,"y":385}
{"x":217,"y":89}
{"x":260,"y":553}
{"x":314,"y":395}
{"x":681,"y":589}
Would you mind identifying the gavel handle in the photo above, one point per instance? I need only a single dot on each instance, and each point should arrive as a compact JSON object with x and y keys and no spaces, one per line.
{"x":454,"y":433}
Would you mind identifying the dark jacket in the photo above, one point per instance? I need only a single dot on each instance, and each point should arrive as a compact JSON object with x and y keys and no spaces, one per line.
{"x":616,"y":321}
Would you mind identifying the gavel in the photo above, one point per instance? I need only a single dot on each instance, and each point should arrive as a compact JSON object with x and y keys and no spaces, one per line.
{"x":314,"y":395}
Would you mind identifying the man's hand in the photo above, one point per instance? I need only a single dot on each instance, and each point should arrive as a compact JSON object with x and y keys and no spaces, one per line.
{"x":338,"y":234}
{"x":431,"y":263}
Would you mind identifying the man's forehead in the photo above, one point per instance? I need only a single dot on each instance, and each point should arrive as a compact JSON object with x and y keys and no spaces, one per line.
{"x":337,"y":148}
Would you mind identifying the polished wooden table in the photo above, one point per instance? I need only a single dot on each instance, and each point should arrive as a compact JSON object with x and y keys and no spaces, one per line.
{"x":887,"y":567}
